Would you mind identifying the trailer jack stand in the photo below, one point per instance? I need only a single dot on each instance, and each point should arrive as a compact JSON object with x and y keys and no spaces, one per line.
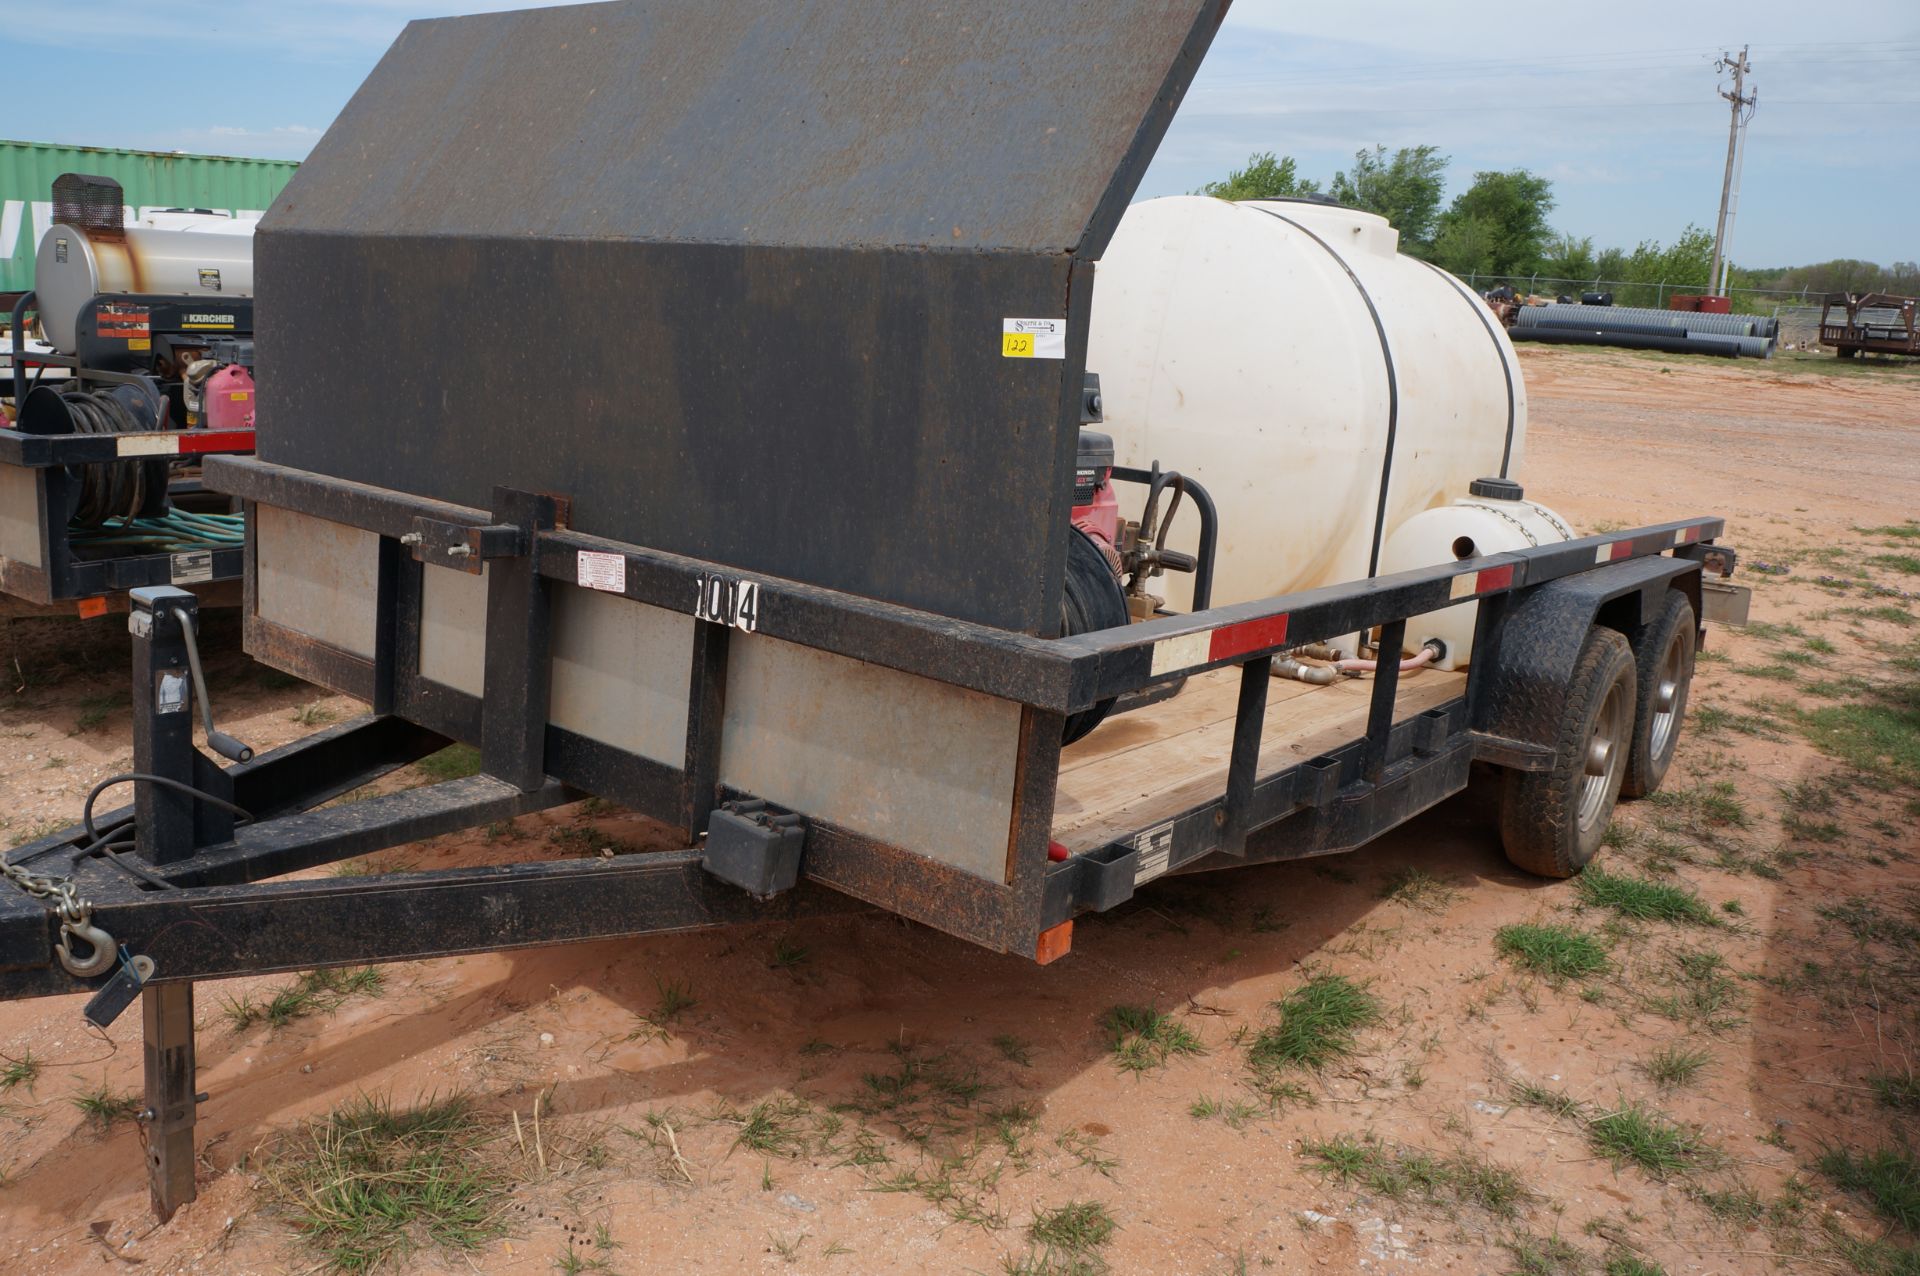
{"x":169,"y":1114}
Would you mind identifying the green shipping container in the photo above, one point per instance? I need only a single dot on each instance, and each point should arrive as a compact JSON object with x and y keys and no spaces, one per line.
{"x":152,"y":179}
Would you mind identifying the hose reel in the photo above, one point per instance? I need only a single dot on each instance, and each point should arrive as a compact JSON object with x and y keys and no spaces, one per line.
{"x":106,"y":490}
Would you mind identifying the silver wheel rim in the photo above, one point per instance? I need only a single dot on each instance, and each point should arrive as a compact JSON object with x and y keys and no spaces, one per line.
{"x":1667,"y":680}
{"x":1605,"y":754}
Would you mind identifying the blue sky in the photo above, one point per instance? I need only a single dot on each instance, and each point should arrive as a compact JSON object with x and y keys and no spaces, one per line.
{"x":1615,"y":102}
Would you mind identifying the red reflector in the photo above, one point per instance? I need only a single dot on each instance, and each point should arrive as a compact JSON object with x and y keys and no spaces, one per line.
{"x":88,"y":608}
{"x":1249,"y":635}
{"x":1055,"y":943}
{"x":1492,"y":578}
{"x":1056,"y":852}
{"x":1620,"y":550}
{"x":216,"y":441}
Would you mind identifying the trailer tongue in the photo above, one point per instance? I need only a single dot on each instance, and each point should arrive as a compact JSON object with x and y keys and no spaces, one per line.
{"x":695,"y":315}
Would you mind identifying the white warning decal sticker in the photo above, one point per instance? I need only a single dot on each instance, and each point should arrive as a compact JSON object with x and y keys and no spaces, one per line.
{"x":1033,"y":338}
{"x":191,"y":567}
{"x":607,"y":572}
{"x":1156,"y":852}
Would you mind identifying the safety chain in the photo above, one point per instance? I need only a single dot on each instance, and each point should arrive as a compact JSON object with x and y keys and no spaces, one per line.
{"x":76,"y":919}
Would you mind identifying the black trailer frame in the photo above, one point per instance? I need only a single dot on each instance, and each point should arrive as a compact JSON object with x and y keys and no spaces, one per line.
{"x":174,"y":888}
{"x":55,"y":576}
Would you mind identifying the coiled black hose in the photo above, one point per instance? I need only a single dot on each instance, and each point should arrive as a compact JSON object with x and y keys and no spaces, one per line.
{"x":108,"y":489}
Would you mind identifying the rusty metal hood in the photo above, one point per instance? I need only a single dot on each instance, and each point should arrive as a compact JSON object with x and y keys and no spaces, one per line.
{"x":725,"y":271}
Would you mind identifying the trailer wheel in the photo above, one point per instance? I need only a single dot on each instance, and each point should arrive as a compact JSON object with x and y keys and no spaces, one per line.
{"x":1551,"y":822}
{"x":1090,"y":600}
{"x":1663,"y":654}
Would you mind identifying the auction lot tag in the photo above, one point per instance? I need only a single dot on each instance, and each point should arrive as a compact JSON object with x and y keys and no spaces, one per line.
{"x":1033,"y":338}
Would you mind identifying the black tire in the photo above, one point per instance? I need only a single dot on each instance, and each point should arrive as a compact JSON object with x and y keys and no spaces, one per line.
{"x":1551,"y":822}
{"x":1663,"y":652}
{"x":1091,"y":600}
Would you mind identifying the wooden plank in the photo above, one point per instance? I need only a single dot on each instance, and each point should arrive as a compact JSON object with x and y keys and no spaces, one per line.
{"x":1206,"y":699}
{"x":1172,"y":772}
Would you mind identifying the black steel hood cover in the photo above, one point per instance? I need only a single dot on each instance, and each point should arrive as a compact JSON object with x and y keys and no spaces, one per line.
{"x":731,"y":275}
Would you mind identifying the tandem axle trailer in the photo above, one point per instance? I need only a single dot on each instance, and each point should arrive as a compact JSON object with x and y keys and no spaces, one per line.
{"x":743,"y":492}
{"x":191,"y":882}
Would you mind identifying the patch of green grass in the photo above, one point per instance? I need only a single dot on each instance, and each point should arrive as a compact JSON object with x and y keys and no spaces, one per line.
{"x":103,"y":1107}
{"x":1142,"y":1038}
{"x":1644,"y":1137}
{"x":1900,"y":1090}
{"x":1887,"y":1176}
{"x":1014,"y":1050}
{"x":1412,"y":1174}
{"x":573,"y":1262}
{"x":96,"y":709}
{"x":1908,"y":564}
{"x":316,"y":714}
{"x":1624,"y":1264}
{"x":1643,"y":900}
{"x":1879,"y":735}
{"x":675,"y":999}
{"x":1701,"y":991}
{"x":1559,"y":952}
{"x":1802,"y":828}
{"x":23,"y":1071}
{"x":1420,"y":890}
{"x":777,"y":1127}
{"x":1739,"y":1206}
{"x":1907,"y":531}
{"x":1820,"y":646}
{"x":1869,"y":924}
{"x":1872,"y":1257}
{"x":1675,"y":1066}
{"x":1069,"y":1236}
{"x":789,"y":955}
{"x":455,"y":762}
{"x":370,"y":1183}
{"x":316,"y":992}
{"x":1529,"y":1094}
{"x":1317,"y":1023}
{"x":1544,"y":1256}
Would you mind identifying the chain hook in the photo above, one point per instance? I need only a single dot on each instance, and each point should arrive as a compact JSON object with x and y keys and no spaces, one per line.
{"x":96,"y":962}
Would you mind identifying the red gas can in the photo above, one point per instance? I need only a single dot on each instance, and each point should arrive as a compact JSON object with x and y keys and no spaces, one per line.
{"x":230,"y":399}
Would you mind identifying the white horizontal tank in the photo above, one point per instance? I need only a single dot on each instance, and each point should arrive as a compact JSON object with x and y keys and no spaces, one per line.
{"x":1272,"y":349}
{"x":189,"y":255}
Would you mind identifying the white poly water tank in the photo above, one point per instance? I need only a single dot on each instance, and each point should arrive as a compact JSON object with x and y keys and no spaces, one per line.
{"x":1290,"y":358}
{"x":72,"y":268}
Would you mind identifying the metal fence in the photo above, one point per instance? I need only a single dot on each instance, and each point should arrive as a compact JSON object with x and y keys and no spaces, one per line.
{"x":1632,"y":292}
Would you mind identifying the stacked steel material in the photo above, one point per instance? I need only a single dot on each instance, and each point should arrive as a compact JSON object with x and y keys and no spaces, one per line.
{"x":1678,"y":331}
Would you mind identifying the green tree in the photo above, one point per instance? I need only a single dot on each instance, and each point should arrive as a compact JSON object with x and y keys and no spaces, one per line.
{"x":1512,"y":208}
{"x":1266,"y":176}
{"x":1570,"y":259}
{"x":1404,"y":188}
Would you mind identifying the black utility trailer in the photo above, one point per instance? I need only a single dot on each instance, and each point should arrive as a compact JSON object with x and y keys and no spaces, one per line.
{"x":775,"y":554}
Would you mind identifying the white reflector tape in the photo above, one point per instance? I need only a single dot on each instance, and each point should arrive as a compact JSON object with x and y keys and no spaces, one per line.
{"x":145,"y":445}
{"x":1462,"y":586}
{"x":1184,"y":652}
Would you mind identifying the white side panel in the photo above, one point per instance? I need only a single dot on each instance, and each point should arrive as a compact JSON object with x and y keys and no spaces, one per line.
{"x":19,"y":515}
{"x":453,"y":629}
{"x":317,"y":578}
{"x":620,"y":673}
{"x":906,"y":760}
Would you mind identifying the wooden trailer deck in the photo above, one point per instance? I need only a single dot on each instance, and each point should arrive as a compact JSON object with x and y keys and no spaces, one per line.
{"x":1150,"y":765}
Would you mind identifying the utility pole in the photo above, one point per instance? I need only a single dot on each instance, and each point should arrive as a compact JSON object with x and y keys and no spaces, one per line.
{"x":1742,"y":107}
